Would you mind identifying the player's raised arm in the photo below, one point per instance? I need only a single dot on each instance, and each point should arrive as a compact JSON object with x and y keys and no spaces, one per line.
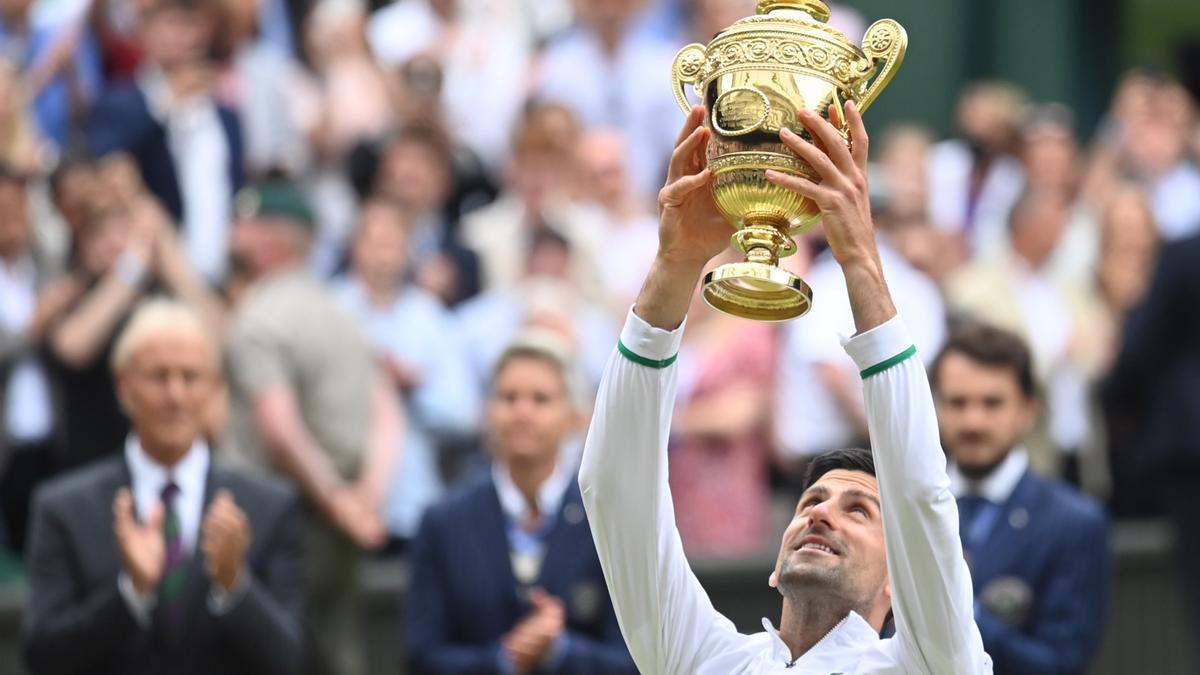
{"x":929,"y":580}
{"x":665,"y":616}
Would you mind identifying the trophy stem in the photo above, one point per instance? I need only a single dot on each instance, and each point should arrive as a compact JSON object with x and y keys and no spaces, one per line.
{"x":765,"y":240}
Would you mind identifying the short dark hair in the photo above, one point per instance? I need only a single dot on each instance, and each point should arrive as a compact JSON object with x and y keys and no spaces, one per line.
{"x":991,"y":346}
{"x":849,"y":459}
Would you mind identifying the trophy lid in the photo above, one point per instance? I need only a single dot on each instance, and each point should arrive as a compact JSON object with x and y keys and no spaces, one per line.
{"x":815,"y":8}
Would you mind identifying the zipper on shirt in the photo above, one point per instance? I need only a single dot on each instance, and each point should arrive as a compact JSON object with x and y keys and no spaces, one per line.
{"x":824,"y":637}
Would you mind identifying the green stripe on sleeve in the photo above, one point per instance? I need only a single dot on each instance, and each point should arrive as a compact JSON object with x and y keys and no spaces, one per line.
{"x":895,"y":360}
{"x":643,"y":361}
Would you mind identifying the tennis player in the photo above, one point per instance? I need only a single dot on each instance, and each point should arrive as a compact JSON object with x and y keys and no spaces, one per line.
{"x":875,"y":535}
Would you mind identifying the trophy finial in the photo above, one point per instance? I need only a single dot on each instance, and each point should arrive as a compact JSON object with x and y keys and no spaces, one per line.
{"x":816,"y":8}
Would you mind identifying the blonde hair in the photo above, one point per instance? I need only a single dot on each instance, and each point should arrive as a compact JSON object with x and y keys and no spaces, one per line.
{"x":155,"y":317}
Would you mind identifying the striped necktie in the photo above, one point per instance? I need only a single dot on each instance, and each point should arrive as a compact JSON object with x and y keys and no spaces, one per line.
{"x":170,"y":590}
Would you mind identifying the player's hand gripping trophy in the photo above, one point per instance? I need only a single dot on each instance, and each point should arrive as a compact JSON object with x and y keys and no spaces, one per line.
{"x":753,"y":79}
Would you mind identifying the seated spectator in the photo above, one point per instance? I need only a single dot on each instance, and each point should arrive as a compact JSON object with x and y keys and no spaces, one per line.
{"x":27,"y":413}
{"x":629,"y":237}
{"x":537,"y":197}
{"x":544,"y":296}
{"x":975,"y":178}
{"x":161,"y":559}
{"x":505,"y":576}
{"x":416,"y":170}
{"x":1038,"y":549}
{"x":125,"y":249}
{"x":187,"y":147}
{"x":309,"y":402}
{"x":608,"y":71}
{"x":419,"y":353}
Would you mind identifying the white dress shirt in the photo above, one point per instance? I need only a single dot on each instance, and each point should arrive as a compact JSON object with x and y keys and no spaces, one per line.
{"x":28,"y":413}
{"x":666,"y":617}
{"x":201,"y":155}
{"x":147,"y":479}
{"x":998,"y":485}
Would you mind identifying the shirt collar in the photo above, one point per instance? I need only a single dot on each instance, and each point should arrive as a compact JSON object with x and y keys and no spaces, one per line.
{"x":512,"y":502}
{"x":850,"y":633}
{"x":997,"y":486}
{"x":148,"y":476}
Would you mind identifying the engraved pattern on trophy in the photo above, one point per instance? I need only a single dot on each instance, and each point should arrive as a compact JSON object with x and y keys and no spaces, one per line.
{"x":754,"y":78}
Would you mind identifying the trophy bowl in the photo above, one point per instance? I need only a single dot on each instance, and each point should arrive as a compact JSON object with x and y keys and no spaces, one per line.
{"x":754,"y":77}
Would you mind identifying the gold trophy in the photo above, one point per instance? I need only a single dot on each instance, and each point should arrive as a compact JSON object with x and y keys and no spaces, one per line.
{"x":753,"y":78}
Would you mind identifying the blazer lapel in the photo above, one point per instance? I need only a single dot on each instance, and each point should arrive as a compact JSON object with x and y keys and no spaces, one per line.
{"x":998,"y":551}
{"x":493,"y":542}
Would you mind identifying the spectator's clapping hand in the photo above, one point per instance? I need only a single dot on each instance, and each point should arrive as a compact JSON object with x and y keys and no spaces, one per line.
{"x":529,"y":643}
{"x":143,"y":549}
{"x":224,"y":540}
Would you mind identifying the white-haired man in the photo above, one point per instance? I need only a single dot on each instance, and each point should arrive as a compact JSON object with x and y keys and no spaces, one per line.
{"x":839,"y":575}
{"x":160,"y":560}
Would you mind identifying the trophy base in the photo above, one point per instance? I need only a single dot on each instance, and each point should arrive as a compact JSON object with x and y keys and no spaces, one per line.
{"x":758,"y":291}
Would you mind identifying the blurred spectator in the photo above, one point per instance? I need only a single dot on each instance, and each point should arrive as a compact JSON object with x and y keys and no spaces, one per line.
{"x":346,"y":100}
{"x":1146,"y":139}
{"x":1038,"y":549}
{"x":818,"y":399}
{"x":460,"y":36}
{"x":187,"y":146}
{"x":709,"y":17}
{"x":1017,"y":290}
{"x":505,"y":576}
{"x":204,"y":578}
{"x":309,"y":401}
{"x":898,"y":177}
{"x":720,"y":451}
{"x":543,"y":297}
{"x":537,"y":197}
{"x":125,"y":249}
{"x":611,"y":74}
{"x":974,"y":178}
{"x":415,"y":343}
{"x":1153,"y":393}
{"x":1129,"y":246}
{"x":629,"y":238}
{"x":1052,"y":162}
{"x":60,"y":64}
{"x":27,"y":427}
{"x":416,"y":171}
{"x":261,"y":83}
{"x":19,"y":143}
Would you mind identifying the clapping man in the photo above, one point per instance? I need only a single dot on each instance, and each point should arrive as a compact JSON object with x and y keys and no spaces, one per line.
{"x":160,"y":560}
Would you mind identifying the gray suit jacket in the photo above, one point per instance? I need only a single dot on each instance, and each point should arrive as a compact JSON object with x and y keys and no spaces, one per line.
{"x":77,"y":621}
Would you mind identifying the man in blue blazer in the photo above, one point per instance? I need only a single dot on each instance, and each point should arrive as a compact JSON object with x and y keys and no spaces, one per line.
{"x":505,"y":575}
{"x":187,"y":146}
{"x":1037,"y":548}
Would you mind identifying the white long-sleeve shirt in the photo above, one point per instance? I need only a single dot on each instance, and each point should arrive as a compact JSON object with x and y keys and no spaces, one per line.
{"x":666,"y":617}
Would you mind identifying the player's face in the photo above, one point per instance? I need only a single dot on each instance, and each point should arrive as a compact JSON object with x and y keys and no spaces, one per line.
{"x":834,"y":543}
{"x":982,"y":412}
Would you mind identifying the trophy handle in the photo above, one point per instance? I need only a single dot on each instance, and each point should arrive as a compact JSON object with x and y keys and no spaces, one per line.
{"x":884,"y":42}
{"x":684,"y":71}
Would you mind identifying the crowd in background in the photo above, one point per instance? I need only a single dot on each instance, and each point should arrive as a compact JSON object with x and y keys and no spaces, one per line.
{"x":459,"y":192}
